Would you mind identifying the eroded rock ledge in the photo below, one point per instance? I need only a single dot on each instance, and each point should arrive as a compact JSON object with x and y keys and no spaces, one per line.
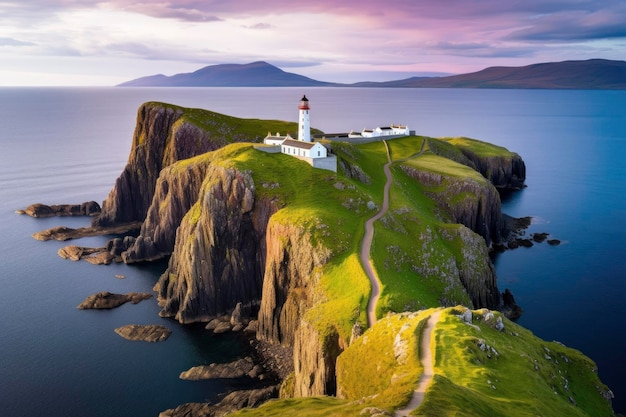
{"x":230,"y":403}
{"x":107,"y":300}
{"x":144,"y":333}
{"x":64,"y":233}
{"x":90,"y":208}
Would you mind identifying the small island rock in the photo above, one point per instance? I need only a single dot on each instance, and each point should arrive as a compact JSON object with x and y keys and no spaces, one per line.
{"x":236,"y":369}
{"x":144,"y":333}
{"x":107,"y":300}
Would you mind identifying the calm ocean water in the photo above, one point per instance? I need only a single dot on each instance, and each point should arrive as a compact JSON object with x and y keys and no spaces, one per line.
{"x":67,"y":145}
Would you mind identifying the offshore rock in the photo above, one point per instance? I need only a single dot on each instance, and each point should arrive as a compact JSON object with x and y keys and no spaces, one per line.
{"x":236,"y":369}
{"x":64,"y":233}
{"x":219,"y":255}
{"x":147,"y":333}
{"x":90,"y":208}
{"x":232,"y":402}
{"x":107,"y":300}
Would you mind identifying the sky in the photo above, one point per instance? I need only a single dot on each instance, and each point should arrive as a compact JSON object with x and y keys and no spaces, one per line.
{"x":100,"y":43}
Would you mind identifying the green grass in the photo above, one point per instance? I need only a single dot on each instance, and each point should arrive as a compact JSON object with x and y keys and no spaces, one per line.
{"x":527,"y":376}
{"x":234,"y":129}
{"x":390,"y":373}
{"x":478,"y":147}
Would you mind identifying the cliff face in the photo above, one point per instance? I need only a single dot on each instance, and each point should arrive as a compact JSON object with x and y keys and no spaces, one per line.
{"x":176,"y":191}
{"x":219,"y":253}
{"x":506,"y":172}
{"x":475,"y":204}
{"x":291,"y":275}
{"x":161,"y":138}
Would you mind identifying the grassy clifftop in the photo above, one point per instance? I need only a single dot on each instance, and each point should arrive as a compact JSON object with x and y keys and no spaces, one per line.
{"x":479,"y":371}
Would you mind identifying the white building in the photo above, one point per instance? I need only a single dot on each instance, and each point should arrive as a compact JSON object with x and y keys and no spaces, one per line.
{"x":386,"y":131}
{"x":304,"y":149}
{"x":276,"y":139}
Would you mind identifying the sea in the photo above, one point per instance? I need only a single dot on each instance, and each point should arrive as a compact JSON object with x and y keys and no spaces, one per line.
{"x":68,"y":145}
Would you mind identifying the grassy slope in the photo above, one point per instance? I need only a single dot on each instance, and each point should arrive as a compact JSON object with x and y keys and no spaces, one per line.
{"x":334,"y":208}
{"x":527,"y":376}
{"x":235,"y":129}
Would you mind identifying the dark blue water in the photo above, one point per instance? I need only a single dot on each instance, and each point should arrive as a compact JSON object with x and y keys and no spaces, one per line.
{"x":63,"y":145}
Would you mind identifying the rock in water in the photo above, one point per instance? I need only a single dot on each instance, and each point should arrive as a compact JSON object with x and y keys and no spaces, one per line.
{"x":90,"y":208}
{"x":107,"y":300}
{"x":236,"y":369}
{"x":147,"y":333}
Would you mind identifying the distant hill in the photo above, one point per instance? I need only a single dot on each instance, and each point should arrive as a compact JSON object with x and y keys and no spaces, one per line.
{"x":255,"y":74}
{"x":593,"y":74}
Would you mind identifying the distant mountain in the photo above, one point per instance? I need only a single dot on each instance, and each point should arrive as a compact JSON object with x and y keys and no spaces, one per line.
{"x":593,"y":74}
{"x":256,"y":74}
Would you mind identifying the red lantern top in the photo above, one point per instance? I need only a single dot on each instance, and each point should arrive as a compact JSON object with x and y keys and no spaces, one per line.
{"x":304,"y":103}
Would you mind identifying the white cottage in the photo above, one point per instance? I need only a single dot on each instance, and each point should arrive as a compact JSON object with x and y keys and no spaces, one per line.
{"x":276,"y":139}
{"x":311,"y":150}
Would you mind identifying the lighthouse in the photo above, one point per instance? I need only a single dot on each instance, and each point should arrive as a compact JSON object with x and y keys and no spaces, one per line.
{"x":304,"y":125}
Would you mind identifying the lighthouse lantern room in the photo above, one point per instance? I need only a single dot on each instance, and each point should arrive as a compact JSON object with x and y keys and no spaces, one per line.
{"x":304,"y":125}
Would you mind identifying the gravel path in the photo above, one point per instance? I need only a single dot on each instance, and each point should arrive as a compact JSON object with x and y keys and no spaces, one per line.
{"x":426,"y":357}
{"x":366,"y":245}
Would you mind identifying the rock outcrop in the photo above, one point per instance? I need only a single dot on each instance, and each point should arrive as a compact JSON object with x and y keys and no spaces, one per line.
{"x":230,"y":403}
{"x":107,"y":300}
{"x":237,"y":369}
{"x":144,"y":333}
{"x":219,"y":254}
{"x":504,"y":172}
{"x":176,"y":191}
{"x":90,"y":208}
{"x":64,"y":233}
{"x":479,"y":207}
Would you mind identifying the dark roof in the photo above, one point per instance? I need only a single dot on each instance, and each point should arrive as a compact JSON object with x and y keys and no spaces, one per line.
{"x":298,"y":144}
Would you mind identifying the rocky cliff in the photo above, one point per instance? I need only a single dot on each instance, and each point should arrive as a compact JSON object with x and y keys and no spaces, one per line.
{"x":472,"y":202}
{"x":163,"y":135}
{"x":176,"y":191}
{"x":219,"y":254}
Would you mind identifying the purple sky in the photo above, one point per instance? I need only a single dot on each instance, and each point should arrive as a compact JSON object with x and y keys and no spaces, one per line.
{"x":89,"y":42}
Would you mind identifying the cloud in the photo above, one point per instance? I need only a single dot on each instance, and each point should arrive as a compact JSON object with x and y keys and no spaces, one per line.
{"x":573,"y":26}
{"x":261,"y":26}
{"x":14,"y":42}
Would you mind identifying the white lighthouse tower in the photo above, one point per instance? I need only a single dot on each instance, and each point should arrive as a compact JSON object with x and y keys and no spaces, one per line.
{"x":304,"y":125}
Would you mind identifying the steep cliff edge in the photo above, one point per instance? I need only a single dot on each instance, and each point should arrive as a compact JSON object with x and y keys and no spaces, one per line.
{"x":160,"y":138}
{"x":503,"y":168}
{"x":164,"y":134}
{"x":219,"y":252}
{"x":176,"y":191}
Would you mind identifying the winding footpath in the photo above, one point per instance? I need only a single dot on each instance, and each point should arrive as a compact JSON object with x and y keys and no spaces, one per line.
{"x":366,"y":245}
{"x":426,"y":358}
